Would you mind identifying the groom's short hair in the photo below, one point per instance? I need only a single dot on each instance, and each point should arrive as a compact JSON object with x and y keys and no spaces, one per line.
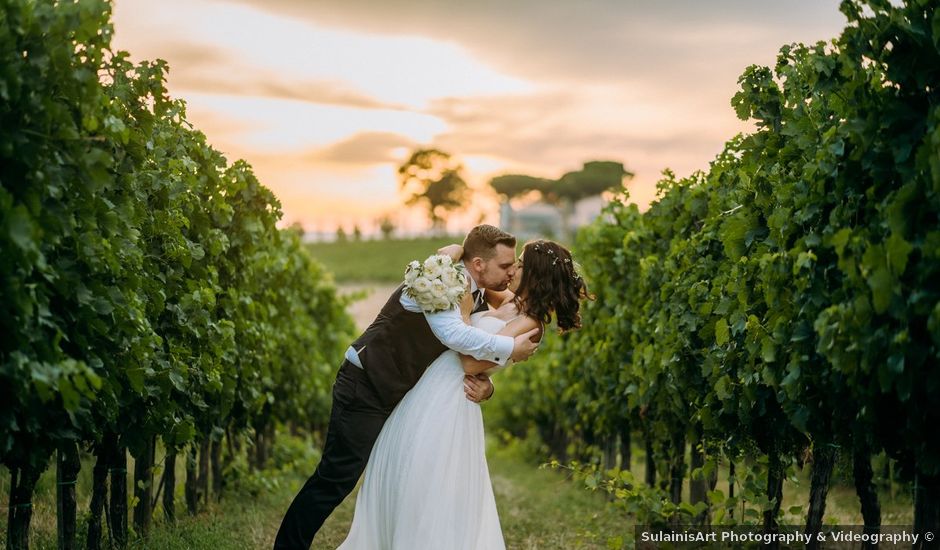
{"x":481,"y":241}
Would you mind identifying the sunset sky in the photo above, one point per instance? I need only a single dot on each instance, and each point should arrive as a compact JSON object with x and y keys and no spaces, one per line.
{"x":325,"y":98}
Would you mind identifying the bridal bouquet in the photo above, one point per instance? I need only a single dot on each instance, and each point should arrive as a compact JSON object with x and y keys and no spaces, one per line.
{"x":436,"y":285}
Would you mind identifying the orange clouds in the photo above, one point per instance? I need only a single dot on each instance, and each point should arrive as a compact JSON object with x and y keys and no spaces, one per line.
{"x":326,"y":98}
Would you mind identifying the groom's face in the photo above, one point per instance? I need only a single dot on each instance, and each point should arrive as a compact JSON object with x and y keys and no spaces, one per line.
{"x":496,"y":272}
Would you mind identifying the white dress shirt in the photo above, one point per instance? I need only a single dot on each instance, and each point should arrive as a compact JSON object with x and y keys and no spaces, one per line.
{"x":449,"y":328}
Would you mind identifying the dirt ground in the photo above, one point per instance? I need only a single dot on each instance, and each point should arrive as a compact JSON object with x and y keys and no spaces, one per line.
{"x":363,"y":311}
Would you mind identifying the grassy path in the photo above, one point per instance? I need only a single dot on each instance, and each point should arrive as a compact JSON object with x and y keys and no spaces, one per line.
{"x":538,"y":509}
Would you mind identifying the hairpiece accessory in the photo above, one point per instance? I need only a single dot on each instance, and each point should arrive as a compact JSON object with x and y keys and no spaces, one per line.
{"x":555,"y":258}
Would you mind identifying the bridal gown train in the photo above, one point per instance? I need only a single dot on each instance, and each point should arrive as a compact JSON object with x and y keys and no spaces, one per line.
{"x":426,"y":485}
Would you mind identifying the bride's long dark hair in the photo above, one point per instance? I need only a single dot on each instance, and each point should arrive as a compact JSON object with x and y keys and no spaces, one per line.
{"x":550,"y":284}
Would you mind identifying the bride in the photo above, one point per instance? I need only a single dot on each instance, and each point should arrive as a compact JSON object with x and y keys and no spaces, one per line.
{"x":426,"y":485}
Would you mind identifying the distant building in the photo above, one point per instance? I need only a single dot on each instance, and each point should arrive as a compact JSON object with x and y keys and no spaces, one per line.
{"x":540,"y":219}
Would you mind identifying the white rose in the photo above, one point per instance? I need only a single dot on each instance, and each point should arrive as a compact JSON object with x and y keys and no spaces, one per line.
{"x":421,"y":285}
{"x":441,"y":304}
{"x":411,"y":275}
{"x":447,"y":261}
{"x":438,"y":288}
{"x":422,"y":299}
{"x":455,"y":293}
{"x":433,"y":270}
{"x":451,"y":278}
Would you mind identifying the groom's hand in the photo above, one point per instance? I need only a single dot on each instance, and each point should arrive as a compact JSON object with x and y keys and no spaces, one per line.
{"x":524,"y":347}
{"x":478,"y":388}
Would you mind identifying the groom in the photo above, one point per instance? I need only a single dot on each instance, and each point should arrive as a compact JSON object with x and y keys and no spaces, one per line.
{"x":384,"y":363}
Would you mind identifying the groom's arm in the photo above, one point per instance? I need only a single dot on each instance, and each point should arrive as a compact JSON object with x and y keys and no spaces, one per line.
{"x":449,"y":327}
{"x":525,"y":327}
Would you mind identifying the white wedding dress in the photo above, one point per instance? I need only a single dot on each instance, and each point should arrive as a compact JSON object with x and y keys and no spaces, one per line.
{"x":426,"y":485}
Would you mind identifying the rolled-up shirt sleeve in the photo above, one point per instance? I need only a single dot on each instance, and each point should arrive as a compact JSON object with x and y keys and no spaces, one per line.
{"x":449,"y":328}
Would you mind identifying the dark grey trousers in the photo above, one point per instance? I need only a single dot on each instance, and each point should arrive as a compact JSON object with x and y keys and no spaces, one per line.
{"x":355,"y":422}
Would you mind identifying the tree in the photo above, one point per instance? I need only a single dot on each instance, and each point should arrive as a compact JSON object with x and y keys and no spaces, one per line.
{"x":386,"y":226}
{"x":432,"y":178}
{"x":510,"y":186}
{"x":298,"y":228}
{"x":593,"y":179}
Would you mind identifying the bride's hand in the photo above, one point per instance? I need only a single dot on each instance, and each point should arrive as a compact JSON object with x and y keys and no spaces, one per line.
{"x":455,"y":251}
{"x":466,"y":306}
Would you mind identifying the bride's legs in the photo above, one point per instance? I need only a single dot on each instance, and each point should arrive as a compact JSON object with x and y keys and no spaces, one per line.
{"x":354,"y":426}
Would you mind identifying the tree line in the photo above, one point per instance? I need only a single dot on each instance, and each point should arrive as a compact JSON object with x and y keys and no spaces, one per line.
{"x":434,"y":180}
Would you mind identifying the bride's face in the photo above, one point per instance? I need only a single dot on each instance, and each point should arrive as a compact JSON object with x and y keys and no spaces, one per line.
{"x":516,"y":278}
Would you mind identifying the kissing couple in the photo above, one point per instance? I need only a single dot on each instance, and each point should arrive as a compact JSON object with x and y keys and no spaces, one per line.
{"x":406,"y":403}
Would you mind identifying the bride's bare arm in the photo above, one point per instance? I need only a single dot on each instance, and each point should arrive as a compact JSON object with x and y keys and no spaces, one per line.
{"x":466,"y":306}
{"x":521,"y":326}
{"x":455,"y":251}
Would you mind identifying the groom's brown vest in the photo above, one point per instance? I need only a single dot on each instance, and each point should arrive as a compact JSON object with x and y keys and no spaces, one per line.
{"x":399,"y":346}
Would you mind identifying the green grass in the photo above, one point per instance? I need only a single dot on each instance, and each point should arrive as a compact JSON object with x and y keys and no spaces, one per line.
{"x":375,"y":261}
{"x":235,"y":523}
{"x":543,"y":509}
{"x":241,"y":520}
{"x":247,"y":516}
